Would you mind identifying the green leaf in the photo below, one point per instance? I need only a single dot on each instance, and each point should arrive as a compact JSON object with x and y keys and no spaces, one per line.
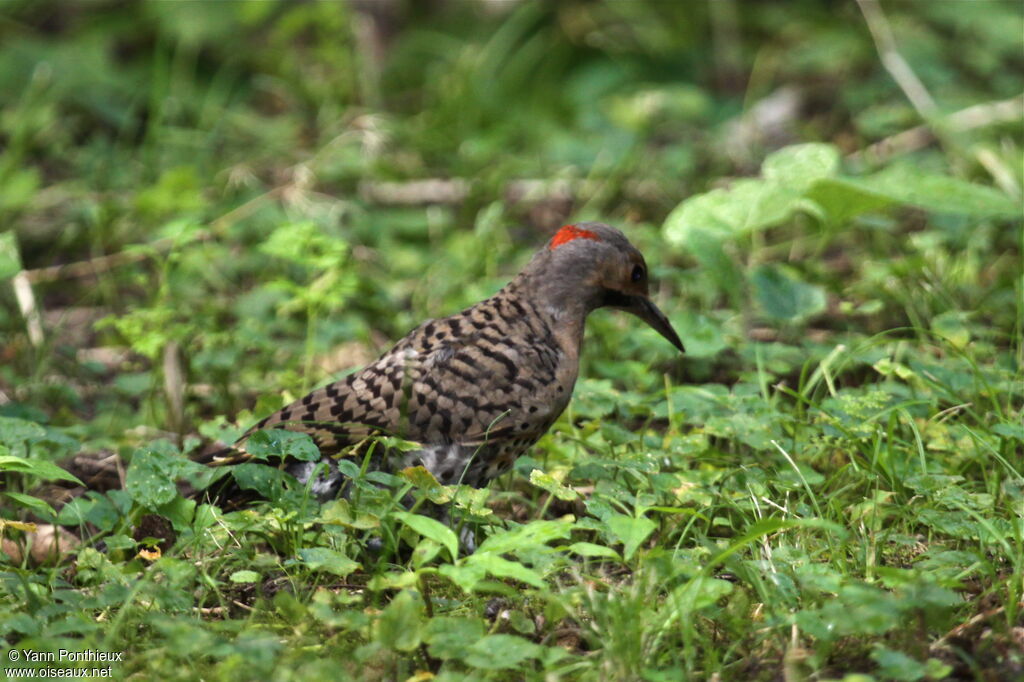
{"x":305,"y":243}
{"x":280,"y":443}
{"x":895,"y":665}
{"x":797,"y":167}
{"x":547,"y":482}
{"x":844,"y":198}
{"x":503,"y":568}
{"x":40,"y":507}
{"x":589,"y":549}
{"x":702,"y":337}
{"x":530,"y":535}
{"x":152,"y":474}
{"x":324,"y":559}
{"x":421,"y":477}
{"x":14,"y":432}
{"x":466,"y":576}
{"x":784,"y":296}
{"x":908,"y":184}
{"x":747,"y":205}
{"x":400,"y":626}
{"x":451,"y":637}
{"x":339,"y":513}
{"x":950,"y":326}
{"x":499,"y":652}
{"x":179,"y":511}
{"x":631,"y":531}
{"x":430,"y":528}
{"x":700,"y":592}
{"x":10,"y":256}
{"x":37,"y":467}
{"x":266,"y":480}
{"x":244,"y":577}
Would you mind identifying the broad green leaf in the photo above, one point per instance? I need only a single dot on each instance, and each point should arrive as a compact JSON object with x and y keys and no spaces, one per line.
{"x":400,"y":626}
{"x":37,"y":467}
{"x":895,"y":665}
{"x":449,"y":637}
{"x":499,"y":652}
{"x":244,"y":577}
{"x":424,"y":552}
{"x":529,"y":535}
{"x":549,"y":483}
{"x":266,"y":480}
{"x":430,"y":528}
{"x":281,"y":443}
{"x":950,"y":326}
{"x":700,"y":592}
{"x":589,"y":549}
{"x":324,"y":559}
{"x":784,"y":296}
{"x":631,"y":531}
{"x":339,"y":513}
{"x":179,"y":511}
{"x":843,"y":198}
{"x":797,"y":167}
{"x":153,"y":472}
{"x":702,"y":337}
{"x":749,"y":204}
{"x":940,"y":193}
{"x":503,"y":568}
{"x":16,"y":432}
{"x":40,"y":507}
{"x":421,"y":477}
{"x":466,"y":576}
{"x":709,"y":250}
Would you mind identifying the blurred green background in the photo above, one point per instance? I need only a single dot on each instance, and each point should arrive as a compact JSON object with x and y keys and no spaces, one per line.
{"x":412,"y":154}
{"x":210,"y":207}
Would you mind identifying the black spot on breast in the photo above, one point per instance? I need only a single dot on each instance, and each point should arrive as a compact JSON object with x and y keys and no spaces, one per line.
{"x":533,"y":408}
{"x":501,"y":359}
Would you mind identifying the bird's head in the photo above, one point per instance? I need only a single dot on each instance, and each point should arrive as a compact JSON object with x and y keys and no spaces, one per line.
{"x":594,"y":265}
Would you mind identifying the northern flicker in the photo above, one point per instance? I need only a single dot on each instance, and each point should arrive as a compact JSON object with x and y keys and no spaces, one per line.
{"x":476,"y":389}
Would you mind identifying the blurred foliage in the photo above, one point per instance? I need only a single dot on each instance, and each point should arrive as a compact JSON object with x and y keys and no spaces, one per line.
{"x":251,"y":198}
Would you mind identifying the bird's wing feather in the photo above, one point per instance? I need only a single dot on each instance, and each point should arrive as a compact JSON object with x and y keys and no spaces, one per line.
{"x":440,"y":384}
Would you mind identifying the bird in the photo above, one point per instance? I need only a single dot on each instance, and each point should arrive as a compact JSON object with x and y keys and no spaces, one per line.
{"x":475,"y":390}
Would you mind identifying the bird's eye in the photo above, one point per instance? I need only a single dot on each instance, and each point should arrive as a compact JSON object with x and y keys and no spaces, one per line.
{"x":638,"y":273}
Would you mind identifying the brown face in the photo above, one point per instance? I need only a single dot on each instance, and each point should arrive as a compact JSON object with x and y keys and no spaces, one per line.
{"x":626,"y":287}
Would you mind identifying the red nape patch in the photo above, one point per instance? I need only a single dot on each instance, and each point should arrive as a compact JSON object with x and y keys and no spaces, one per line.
{"x":569,"y":232}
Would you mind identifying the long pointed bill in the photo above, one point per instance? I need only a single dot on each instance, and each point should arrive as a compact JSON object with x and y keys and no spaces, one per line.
{"x":644,"y":308}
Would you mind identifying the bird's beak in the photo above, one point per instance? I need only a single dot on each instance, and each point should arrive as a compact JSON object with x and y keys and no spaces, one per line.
{"x":644,"y":308}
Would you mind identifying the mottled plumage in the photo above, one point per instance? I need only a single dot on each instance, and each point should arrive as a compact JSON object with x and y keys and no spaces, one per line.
{"x":477,"y":389}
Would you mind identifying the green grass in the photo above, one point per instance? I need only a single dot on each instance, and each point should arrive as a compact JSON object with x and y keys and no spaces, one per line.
{"x":829,"y":484}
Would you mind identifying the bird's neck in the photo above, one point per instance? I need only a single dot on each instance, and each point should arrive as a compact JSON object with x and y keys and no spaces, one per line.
{"x":562,"y":308}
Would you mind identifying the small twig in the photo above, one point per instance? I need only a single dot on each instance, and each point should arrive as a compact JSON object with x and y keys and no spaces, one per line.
{"x":894,"y":62}
{"x":174,"y":386}
{"x":977,"y":116}
{"x":95,"y":266}
{"x":29,"y":307}
{"x":959,"y":630}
